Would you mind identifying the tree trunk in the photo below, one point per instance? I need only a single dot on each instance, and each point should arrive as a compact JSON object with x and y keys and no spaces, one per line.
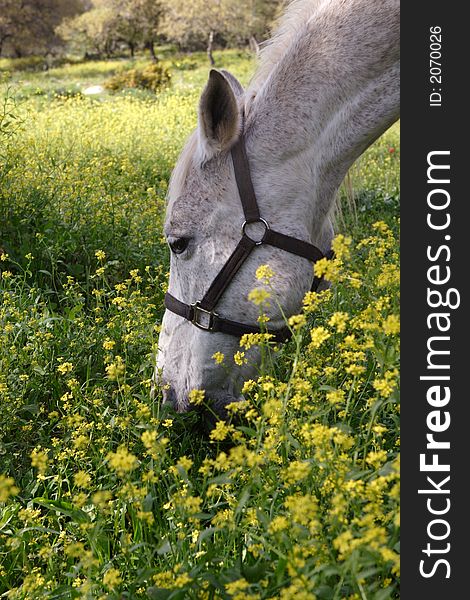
{"x":151,"y":46}
{"x":210,"y":44}
{"x":131,"y":49}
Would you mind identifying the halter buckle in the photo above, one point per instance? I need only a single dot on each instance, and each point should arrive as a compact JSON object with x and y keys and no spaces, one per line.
{"x":259,"y":220}
{"x":204,"y":319}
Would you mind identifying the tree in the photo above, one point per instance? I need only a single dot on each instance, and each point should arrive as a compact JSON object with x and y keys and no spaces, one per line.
{"x":28,"y":26}
{"x":137,"y":23}
{"x":111,"y":22}
{"x":233,"y":21}
{"x":93,"y":30}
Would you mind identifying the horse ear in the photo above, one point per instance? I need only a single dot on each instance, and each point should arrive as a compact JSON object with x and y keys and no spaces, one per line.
{"x":219,"y":114}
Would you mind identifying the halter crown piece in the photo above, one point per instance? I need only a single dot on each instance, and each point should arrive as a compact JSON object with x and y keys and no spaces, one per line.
{"x":201,"y":313}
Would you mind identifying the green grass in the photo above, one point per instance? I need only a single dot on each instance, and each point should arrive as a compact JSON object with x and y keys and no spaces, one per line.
{"x":103,"y":494}
{"x":189,"y":72}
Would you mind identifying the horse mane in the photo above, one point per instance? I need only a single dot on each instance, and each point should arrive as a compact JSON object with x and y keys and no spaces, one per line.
{"x":287,"y":30}
{"x":183,"y":164}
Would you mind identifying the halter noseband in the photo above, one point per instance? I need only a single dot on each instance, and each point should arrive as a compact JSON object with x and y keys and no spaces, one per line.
{"x":201,"y":313}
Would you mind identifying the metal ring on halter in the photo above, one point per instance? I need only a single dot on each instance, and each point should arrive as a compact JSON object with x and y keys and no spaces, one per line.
{"x":259,"y":220}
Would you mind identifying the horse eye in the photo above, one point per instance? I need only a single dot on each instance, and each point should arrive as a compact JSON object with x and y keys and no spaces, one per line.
{"x":178,"y":245}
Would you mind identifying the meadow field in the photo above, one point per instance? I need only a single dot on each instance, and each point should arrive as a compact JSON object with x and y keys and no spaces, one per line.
{"x":103,"y":492}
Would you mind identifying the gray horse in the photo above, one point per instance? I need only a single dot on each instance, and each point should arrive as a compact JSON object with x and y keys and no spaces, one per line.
{"x":326,"y":87}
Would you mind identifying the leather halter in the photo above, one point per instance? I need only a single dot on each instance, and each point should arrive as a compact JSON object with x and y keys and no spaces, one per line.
{"x":201,"y":313}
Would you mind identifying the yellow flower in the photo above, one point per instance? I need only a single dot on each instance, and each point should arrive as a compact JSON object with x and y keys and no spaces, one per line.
{"x":29,"y":515}
{"x":390,"y":275}
{"x":239,"y":358}
{"x":391,"y":325}
{"x":224,"y":518}
{"x":297,"y":321}
{"x":254,"y":339}
{"x":381,"y":226}
{"x":318,"y":335}
{"x":82,"y":479}
{"x":344,"y":543}
{"x":7,"y":488}
{"x":302,"y":508}
{"x":237,"y":586}
{"x":312,"y":300}
{"x":279,"y":523}
{"x":259,"y":296}
{"x":221,"y":431}
{"x":80,"y":499}
{"x":112,"y":578}
{"x":379,"y":429}
{"x":65,"y":367}
{"x":387,"y":384}
{"x":185,"y":463}
{"x":297,"y":471}
{"x":100,"y":255}
{"x":182,"y":580}
{"x":190,"y":504}
{"x":39,"y":460}
{"x":248,"y":386}
{"x":339,"y":320}
{"x":115,"y":370}
{"x":102,"y":498}
{"x":376,"y":459}
{"x":320,"y":268}
{"x":196,"y":397}
{"x":135,"y":275}
{"x":218,"y":357}
{"x":74,"y":549}
{"x":340,"y":246}
{"x":109,"y":344}
{"x":355,"y":369}
{"x":264,"y":273}
{"x":122,"y":461}
{"x":335,"y":397}
{"x":148,"y":438}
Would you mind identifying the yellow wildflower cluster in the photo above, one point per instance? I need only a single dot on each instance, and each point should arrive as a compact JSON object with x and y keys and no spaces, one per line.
{"x":196,"y":397}
{"x":116,"y":369}
{"x":122,"y":461}
{"x":259,"y":296}
{"x":7,"y":488}
{"x":264,"y":273}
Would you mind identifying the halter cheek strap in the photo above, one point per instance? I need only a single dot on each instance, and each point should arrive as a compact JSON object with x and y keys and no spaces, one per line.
{"x":201,"y":313}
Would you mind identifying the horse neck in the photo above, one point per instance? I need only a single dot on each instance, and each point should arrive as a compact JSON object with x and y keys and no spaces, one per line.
{"x":333,"y":92}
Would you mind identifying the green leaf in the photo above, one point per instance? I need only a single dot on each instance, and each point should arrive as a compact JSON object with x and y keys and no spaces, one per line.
{"x":255,"y":573}
{"x":383,"y":594}
{"x":65,"y":508}
{"x":250,"y":432}
{"x":7,"y":513}
{"x":324,"y":592}
{"x":158,"y":593}
{"x":244,"y":497}
{"x":280,"y":570}
{"x":164,"y":548}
